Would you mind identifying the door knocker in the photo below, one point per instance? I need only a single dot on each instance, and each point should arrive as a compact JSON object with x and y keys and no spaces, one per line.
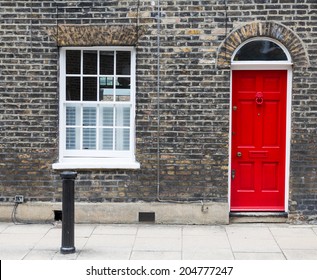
{"x":259,"y":98}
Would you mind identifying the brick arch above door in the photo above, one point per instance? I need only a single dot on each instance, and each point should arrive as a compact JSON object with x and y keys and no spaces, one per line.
{"x":274,"y":30}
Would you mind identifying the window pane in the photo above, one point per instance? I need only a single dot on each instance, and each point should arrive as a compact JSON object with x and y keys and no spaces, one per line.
{"x":72,"y":138}
{"x":123,"y":116}
{"x":89,"y":116}
{"x":106,"y":141}
{"x":90,"y":62}
{"x":72,"y":88}
{"x":260,"y":50}
{"x":72,"y":115}
{"x":123,"y":63}
{"x":122,"y":139}
{"x":90,"y":89}
{"x":123,"y":89}
{"x":107,"y":116}
{"x":73,"y":62}
{"x":106,"y":63}
{"x":106,"y":88}
{"x":89,"y":138}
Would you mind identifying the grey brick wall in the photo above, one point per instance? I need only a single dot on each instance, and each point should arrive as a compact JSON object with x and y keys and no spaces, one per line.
{"x":194,"y":98}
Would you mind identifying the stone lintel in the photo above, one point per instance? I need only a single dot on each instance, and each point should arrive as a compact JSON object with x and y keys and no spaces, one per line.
{"x":96,"y":35}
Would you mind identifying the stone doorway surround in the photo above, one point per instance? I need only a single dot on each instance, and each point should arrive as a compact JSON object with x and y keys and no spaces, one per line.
{"x":274,"y":30}
{"x":295,"y":47}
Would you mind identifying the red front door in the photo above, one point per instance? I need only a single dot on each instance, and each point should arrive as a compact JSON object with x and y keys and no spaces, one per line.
{"x":258,"y":140}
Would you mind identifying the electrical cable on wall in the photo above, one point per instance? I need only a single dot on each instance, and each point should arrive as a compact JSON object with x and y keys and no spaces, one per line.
{"x":31,"y":26}
{"x":57,"y":17}
{"x":158,"y":98}
{"x":226,"y":27}
{"x":17,"y":221}
{"x":203,"y":208}
{"x":138,"y":23}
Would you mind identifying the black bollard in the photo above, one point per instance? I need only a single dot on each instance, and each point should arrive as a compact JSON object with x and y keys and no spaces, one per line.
{"x":68,"y":218}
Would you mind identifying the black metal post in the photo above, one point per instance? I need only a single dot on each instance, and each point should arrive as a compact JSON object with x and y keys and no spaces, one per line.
{"x":68,"y":214}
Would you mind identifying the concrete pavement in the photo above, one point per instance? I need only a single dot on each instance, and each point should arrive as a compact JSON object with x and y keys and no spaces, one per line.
{"x":161,"y":242}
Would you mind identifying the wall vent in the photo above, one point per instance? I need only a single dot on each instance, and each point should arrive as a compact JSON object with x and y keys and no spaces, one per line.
{"x":58,"y":215}
{"x":147,"y":217}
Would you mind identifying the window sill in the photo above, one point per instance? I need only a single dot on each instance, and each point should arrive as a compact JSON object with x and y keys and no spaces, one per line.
{"x":96,"y":163}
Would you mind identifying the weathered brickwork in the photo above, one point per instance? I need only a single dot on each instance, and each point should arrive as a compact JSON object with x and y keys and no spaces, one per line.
{"x":197,"y":39}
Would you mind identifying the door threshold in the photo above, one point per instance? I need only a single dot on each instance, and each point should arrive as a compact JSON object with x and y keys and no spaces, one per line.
{"x":258,"y":217}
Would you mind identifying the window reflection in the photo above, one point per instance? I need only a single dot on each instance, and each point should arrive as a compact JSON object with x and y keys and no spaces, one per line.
{"x":106,"y":88}
{"x":110,"y":87}
{"x":123,"y":89}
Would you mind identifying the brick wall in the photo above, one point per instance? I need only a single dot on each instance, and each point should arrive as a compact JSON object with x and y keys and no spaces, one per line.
{"x":29,"y":101}
{"x":194,"y":97}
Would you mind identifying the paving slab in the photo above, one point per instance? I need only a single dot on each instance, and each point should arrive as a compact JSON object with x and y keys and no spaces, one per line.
{"x":17,"y":246}
{"x":48,"y":243}
{"x":3,"y":227}
{"x":27,"y":229}
{"x":13,"y":253}
{"x":110,"y":242}
{"x":203,"y":230}
{"x":104,"y":253}
{"x":84,"y":230}
{"x":252,"y":239}
{"x":115,"y":229}
{"x":48,"y":248}
{"x":59,"y":256}
{"x":55,"y":233}
{"x":205,"y":243}
{"x":301,"y":254}
{"x":295,"y":238}
{"x":55,"y":244}
{"x":248,"y":231}
{"x":259,"y":256}
{"x":158,"y":244}
{"x":28,"y":240}
{"x":159,"y":231}
{"x":45,"y":254}
{"x":215,"y":254}
{"x":155,"y":255}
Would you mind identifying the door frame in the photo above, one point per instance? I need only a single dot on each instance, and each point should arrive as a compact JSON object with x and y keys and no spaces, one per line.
{"x":266,"y":65}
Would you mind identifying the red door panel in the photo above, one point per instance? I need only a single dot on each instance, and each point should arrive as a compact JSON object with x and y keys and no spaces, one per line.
{"x":258,"y":140}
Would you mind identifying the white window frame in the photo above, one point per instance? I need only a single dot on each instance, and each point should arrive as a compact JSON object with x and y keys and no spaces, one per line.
{"x":95,"y":159}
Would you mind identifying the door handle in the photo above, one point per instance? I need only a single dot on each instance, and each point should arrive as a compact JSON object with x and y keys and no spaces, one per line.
{"x":233,"y":174}
{"x":239,"y":154}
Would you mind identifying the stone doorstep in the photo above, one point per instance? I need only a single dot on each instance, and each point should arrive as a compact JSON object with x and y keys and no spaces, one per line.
{"x":258,"y":217}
